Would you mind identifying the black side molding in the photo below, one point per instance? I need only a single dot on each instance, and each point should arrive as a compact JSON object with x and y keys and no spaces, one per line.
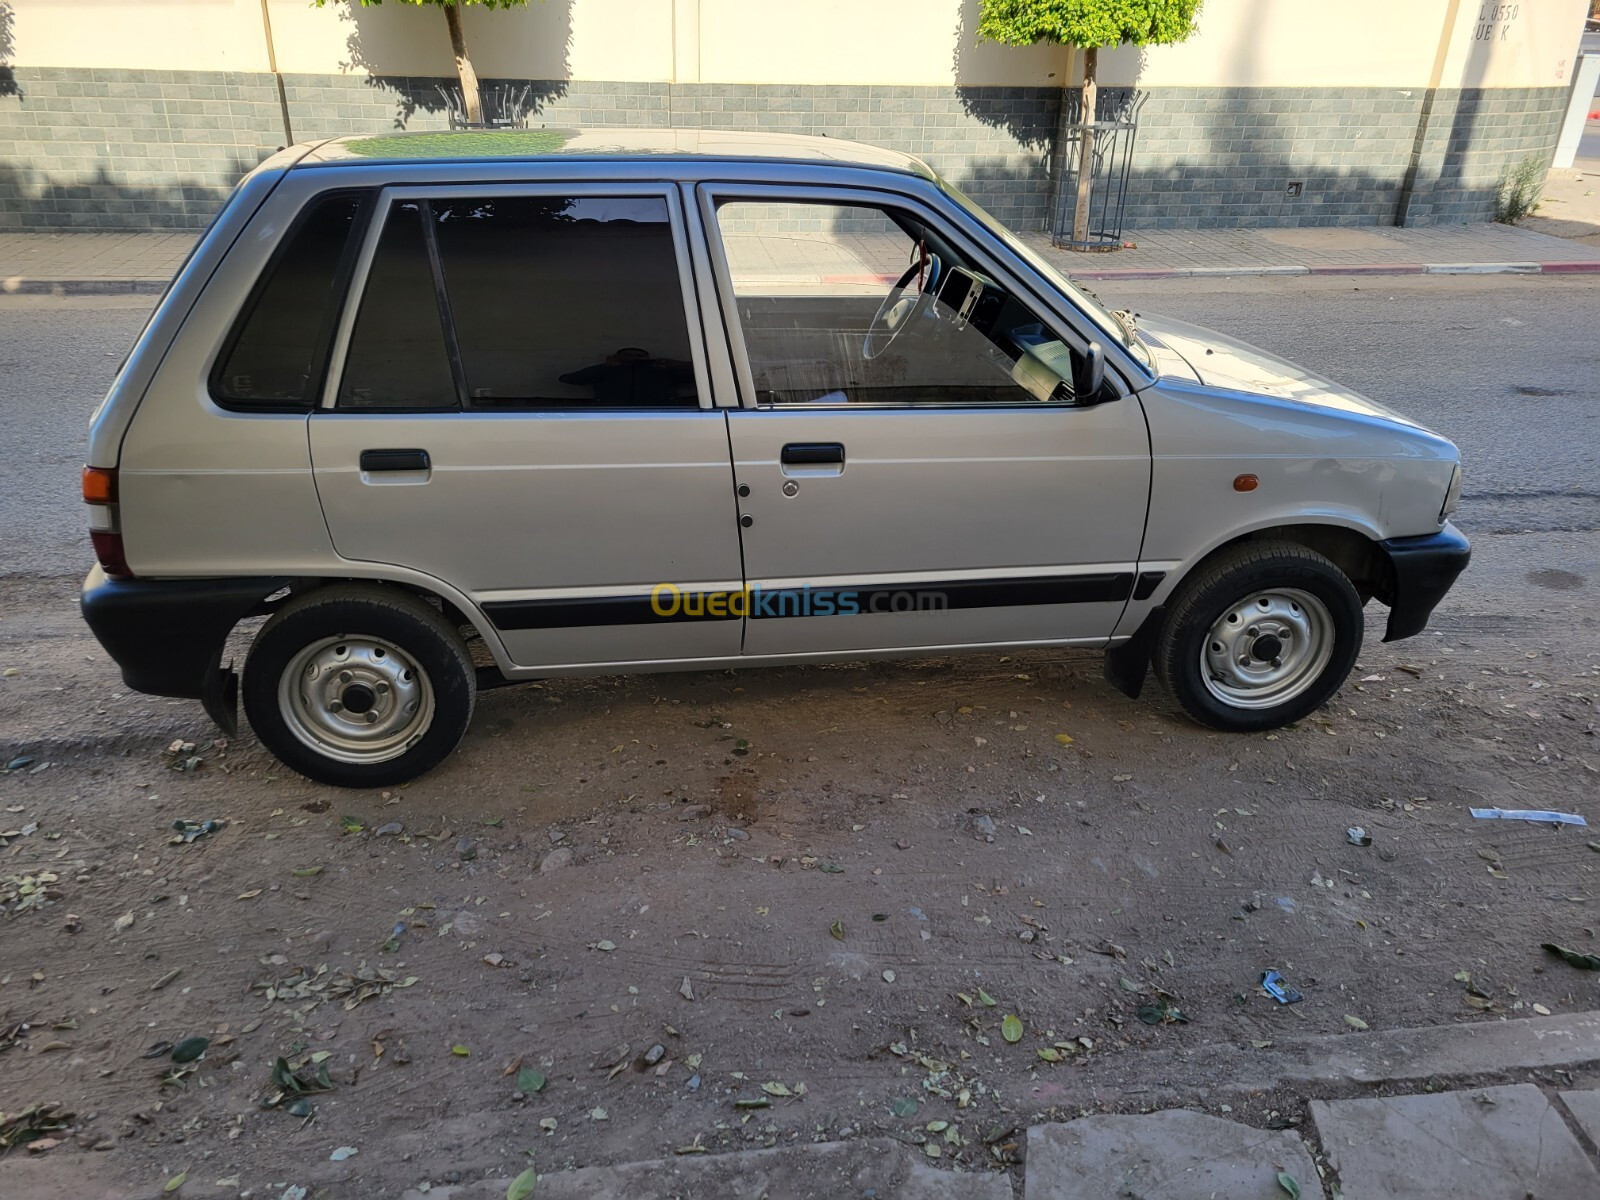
{"x":1424,"y":568}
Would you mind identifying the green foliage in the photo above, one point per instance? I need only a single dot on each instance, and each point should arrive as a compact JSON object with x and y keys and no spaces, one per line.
{"x":434,"y":3}
{"x":1086,"y":23}
{"x":1520,"y":188}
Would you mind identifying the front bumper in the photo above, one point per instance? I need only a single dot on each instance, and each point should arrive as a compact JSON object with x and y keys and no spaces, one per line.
{"x":167,"y":635}
{"x":1422,"y":569}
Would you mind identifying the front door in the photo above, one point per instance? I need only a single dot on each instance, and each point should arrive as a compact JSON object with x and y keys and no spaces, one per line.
{"x":522,"y":412}
{"x":905,"y":490}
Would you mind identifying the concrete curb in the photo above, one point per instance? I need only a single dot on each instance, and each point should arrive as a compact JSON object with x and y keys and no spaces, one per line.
{"x":1581,"y":266}
{"x":21,"y":285}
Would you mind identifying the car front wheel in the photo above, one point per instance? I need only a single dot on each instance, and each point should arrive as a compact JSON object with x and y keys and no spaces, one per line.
{"x":1261,"y":637}
{"x":359,"y":686}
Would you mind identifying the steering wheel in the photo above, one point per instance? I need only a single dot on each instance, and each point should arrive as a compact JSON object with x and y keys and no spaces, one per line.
{"x":898,"y":310}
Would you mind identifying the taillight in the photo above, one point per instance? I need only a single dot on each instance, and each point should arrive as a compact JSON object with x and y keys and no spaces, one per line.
{"x":105,"y":529}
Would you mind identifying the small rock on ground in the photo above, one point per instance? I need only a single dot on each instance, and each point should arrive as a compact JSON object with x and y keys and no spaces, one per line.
{"x":555,"y":860}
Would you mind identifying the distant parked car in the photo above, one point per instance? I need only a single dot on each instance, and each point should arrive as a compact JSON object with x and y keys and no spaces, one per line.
{"x":451,"y":413}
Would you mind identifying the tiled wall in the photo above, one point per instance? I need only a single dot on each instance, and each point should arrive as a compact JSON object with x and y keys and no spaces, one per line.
{"x":159,"y":149}
{"x":1224,"y":157}
{"x":121,"y":149}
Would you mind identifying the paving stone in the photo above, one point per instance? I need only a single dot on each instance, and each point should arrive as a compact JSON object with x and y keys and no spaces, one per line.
{"x":1502,"y":1143}
{"x":1585,"y":1109}
{"x":1176,"y":1155}
{"x":876,"y":1167}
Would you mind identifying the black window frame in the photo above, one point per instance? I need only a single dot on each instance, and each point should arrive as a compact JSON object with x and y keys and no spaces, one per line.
{"x":953,"y":230}
{"x":424,"y":196}
{"x":322,"y":346}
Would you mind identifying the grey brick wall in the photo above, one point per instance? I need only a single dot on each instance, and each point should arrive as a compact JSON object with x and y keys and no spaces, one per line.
{"x":1208,"y":158}
{"x":160,"y":149}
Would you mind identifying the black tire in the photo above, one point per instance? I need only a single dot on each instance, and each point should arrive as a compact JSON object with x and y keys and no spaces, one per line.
{"x":1232,"y":585}
{"x":404,"y":668}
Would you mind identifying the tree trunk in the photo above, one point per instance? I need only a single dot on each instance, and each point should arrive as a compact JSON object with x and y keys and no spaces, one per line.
{"x":470,"y":98}
{"x":1080,"y":214}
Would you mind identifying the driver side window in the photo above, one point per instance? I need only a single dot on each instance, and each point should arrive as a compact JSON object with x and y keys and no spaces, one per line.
{"x":850,"y":304}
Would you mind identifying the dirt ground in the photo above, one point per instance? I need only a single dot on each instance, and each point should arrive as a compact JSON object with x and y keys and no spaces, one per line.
{"x":674,"y":898}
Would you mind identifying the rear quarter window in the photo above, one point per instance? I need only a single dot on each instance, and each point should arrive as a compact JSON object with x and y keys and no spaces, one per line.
{"x":277,"y":351}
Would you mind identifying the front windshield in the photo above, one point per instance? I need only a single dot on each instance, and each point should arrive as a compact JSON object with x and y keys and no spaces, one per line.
{"x":1086,"y":301}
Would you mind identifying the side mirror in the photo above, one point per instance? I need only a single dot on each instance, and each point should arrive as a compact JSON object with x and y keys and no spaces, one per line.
{"x":1089,"y":374}
{"x":1051,"y":372}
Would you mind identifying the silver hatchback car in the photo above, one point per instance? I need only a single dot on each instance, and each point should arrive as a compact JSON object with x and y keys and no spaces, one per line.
{"x":460,"y":410}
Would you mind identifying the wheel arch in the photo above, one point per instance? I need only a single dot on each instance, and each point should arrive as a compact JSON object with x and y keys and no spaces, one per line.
{"x":1354,"y":549}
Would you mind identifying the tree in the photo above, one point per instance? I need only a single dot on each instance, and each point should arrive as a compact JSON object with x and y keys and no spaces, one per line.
{"x":1087,"y":25}
{"x":471,"y":97}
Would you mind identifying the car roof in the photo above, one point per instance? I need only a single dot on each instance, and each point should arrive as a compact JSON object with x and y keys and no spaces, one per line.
{"x":722,"y":145}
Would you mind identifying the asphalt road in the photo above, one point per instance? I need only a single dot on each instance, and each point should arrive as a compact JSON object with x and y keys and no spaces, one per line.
{"x":1508,"y":367}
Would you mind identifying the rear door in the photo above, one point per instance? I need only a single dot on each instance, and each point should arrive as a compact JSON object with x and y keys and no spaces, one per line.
{"x":519,"y":407}
{"x":905,"y":490}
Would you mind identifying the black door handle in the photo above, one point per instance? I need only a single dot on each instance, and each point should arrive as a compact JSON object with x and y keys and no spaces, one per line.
{"x":811,"y":454}
{"x":395,"y":460}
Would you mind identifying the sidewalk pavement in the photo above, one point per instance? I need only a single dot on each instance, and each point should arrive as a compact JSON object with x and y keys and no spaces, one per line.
{"x":1492,"y":1110}
{"x":105,"y":263}
{"x":1402,"y":1133}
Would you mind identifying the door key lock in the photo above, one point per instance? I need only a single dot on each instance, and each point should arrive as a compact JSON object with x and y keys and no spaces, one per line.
{"x":790,"y":487}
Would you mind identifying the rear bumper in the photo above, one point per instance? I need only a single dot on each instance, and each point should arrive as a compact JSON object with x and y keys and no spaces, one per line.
{"x":167,"y":635}
{"x":1423,"y":569}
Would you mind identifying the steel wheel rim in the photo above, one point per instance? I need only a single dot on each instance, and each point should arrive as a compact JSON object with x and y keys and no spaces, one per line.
{"x":1267,"y":648}
{"x":356,"y":699}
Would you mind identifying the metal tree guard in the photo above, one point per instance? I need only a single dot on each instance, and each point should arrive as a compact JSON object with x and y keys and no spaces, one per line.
{"x":1110,"y":161}
{"x":505,"y":106}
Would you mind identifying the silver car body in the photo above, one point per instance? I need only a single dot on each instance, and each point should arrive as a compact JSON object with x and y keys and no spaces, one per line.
{"x":522,"y":511}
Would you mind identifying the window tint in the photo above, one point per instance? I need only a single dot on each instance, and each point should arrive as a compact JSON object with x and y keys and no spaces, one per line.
{"x":566,"y":303}
{"x":278,"y":350}
{"x":397,"y":356}
{"x":815,"y":289}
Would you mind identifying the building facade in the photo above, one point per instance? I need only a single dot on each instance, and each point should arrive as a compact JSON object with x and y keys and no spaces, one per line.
{"x":118,"y":114}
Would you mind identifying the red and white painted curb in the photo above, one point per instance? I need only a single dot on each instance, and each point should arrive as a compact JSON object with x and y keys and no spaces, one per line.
{"x":1577,"y":267}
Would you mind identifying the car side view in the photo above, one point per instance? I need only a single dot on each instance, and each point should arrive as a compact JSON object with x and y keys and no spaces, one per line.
{"x":454,"y":412}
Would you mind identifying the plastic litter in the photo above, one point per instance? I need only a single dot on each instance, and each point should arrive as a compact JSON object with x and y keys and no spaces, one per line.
{"x":1272,"y":983}
{"x":1543,"y":816}
{"x":189,"y":830}
{"x":1358,"y":836}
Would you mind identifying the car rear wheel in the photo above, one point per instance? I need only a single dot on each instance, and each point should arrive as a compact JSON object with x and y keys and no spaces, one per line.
{"x":1260,"y":637}
{"x":359,"y":686}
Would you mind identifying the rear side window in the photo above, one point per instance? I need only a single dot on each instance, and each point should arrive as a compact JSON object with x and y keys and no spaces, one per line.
{"x":277,"y":352}
{"x":397,"y":357}
{"x":523,"y":303}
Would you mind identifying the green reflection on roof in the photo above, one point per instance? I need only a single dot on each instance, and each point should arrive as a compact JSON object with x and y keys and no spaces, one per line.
{"x":486,"y":143}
